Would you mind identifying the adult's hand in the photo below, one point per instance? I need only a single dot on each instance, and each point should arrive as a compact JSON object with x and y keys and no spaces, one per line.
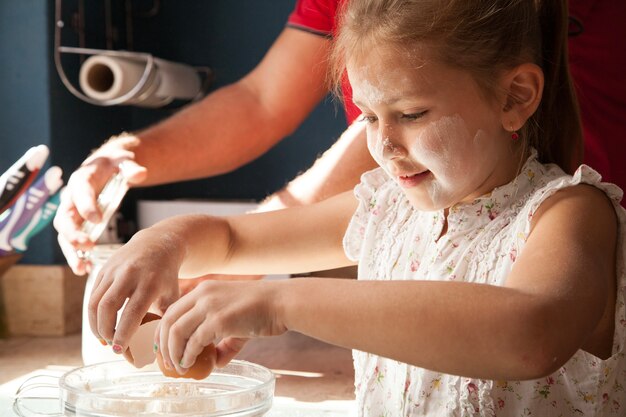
{"x":78,"y":199}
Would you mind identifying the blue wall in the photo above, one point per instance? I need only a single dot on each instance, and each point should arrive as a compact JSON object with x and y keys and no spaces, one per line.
{"x":24,"y":85}
{"x":230,"y":37}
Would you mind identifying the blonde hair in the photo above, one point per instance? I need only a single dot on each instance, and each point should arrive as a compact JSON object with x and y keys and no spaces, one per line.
{"x":485,"y":38}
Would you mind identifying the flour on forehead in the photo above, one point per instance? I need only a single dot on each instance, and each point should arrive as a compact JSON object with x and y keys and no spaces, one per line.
{"x":379,"y":85}
{"x":370,"y":93}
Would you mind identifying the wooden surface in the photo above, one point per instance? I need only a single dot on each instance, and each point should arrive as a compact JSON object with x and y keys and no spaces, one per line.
{"x":23,"y":355}
{"x":6,"y":262}
{"x":42,"y":300}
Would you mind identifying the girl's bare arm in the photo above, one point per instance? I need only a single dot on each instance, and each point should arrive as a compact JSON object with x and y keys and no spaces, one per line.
{"x":146,"y":270}
{"x":561,"y":287}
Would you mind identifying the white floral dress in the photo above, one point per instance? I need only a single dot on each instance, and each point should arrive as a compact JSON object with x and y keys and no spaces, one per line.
{"x":392,"y":240}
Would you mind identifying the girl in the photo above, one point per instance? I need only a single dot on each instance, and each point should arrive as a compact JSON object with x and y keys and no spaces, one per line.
{"x":490,"y":282}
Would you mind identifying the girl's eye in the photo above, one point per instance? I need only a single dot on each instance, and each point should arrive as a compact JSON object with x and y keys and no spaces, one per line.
{"x":368,"y":119}
{"x":414,"y":116}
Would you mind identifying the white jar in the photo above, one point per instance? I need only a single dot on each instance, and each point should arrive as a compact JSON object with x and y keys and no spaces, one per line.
{"x":92,"y":349}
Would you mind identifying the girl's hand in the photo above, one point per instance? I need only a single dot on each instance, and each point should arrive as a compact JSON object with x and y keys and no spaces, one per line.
{"x":220,"y":312}
{"x":144,"y":271}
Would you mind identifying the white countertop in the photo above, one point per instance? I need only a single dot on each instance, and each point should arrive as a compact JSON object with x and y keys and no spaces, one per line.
{"x":312,"y":378}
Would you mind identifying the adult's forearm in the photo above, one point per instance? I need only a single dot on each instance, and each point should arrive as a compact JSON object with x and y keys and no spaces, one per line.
{"x":339,"y":169}
{"x":217,"y":135}
{"x":241,"y":121}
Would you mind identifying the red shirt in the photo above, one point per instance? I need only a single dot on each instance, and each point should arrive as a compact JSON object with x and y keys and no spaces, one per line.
{"x":598,"y":67}
{"x":319,"y":17}
{"x":597,"y":63}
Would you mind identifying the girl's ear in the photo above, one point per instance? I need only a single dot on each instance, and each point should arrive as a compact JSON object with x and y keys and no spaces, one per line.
{"x":523,"y":86}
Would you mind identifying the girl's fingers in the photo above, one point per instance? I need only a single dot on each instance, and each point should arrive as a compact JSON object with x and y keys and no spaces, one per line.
{"x":228,"y":348}
{"x":168,"y":323}
{"x":199,"y":339}
{"x":108,"y":306}
{"x":164,"y":334}
{"x":164,"y":330}
{"x":173,"y":313}
{"x":182,"y":333}
{"x":157,"y":337}
{"x":190,"y":324}
{"x":136,"y":308}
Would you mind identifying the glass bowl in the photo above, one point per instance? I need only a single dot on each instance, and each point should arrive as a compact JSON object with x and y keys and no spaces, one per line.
{"x":119,"y":389}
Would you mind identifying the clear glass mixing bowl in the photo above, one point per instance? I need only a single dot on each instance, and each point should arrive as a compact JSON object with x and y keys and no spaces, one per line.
{"x":117,"y":389}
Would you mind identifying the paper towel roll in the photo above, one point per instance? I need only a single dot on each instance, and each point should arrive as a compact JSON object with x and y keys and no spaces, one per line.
{"x":177,"y":80}
{"x":108,"y":77}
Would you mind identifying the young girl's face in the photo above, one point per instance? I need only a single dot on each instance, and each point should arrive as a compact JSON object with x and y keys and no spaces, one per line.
{"x":431,"y":127}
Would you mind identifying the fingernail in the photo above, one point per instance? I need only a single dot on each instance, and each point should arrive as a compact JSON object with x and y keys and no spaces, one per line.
{"x":102,"y":342}
{"x":181,"y":370}
{"x":109,"y":342}
{"x":117,"y":349}
{"x":155,"y":348}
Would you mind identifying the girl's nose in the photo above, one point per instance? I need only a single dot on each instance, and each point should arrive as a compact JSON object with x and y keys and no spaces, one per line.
{"x":391,"y":148}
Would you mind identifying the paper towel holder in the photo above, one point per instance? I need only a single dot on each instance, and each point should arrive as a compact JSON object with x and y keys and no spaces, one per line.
{"x":137,"y":93}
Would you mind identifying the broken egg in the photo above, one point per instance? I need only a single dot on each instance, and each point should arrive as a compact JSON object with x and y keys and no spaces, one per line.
{"x":140,"y":348}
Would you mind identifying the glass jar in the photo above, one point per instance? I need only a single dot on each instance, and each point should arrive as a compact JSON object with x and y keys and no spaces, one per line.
{"x":92,"y":350}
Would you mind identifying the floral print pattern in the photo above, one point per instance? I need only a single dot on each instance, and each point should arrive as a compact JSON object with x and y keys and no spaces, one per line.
{"x":392,"y":240}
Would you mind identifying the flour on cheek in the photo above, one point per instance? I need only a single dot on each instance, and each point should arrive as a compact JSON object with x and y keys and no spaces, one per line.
{"x":376,"y":146}
{"x":448,"y":150}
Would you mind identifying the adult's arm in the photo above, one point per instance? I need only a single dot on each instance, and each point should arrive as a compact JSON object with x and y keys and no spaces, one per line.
{"x":239,"y":122}
{"x":339,"y":169}
{"x":230,"y":127}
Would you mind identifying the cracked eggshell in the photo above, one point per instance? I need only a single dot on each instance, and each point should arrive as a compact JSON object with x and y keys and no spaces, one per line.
{"x":141,"y":344}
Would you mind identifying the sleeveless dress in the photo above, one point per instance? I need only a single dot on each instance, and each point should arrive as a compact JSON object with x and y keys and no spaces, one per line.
{"x":392,"y":240}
